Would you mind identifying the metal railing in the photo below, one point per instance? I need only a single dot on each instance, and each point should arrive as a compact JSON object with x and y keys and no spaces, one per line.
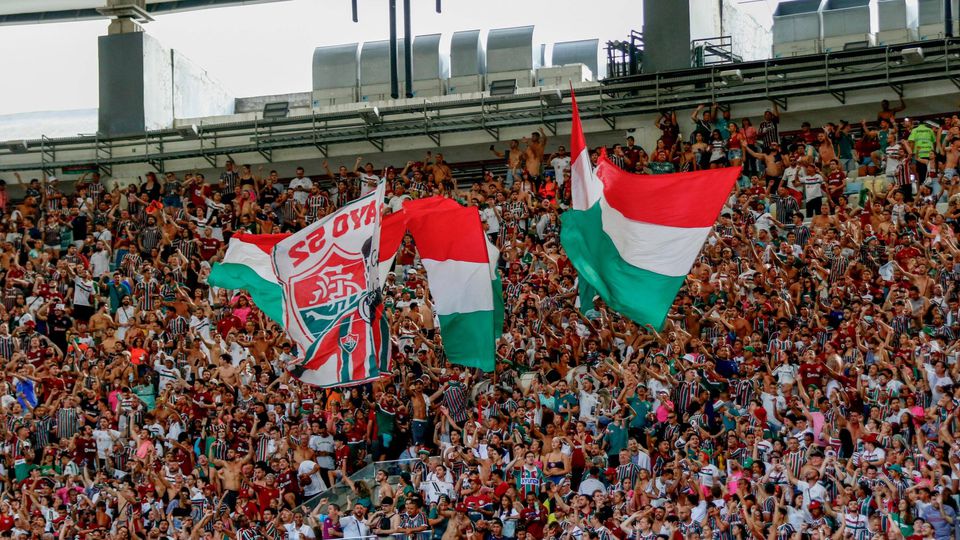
{"x":341,"y":493}
{"x":713,"y":51}
{"x":776,"y":80}
{"x":625,"y":58}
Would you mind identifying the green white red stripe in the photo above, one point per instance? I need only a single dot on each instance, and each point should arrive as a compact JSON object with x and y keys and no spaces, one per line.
{"x":247,"y":265}
{"x":638,"y":238}
{"x":457,"y":256}
{"x":585,"y":190}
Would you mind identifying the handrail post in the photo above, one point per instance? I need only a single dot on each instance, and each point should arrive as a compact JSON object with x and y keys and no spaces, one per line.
{"x":766,"y":78}
{"x":946,"y":55}
{"x":886,"y":63}
{"x":656,"y":89}
{"x":826,"y":70}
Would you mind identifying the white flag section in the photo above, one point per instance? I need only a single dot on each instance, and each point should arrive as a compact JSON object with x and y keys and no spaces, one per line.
{"x":886,"y":272}
{"x":332,"y":308}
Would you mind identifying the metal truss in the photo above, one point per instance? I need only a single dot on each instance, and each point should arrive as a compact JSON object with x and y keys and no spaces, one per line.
{"x":775,"y":80}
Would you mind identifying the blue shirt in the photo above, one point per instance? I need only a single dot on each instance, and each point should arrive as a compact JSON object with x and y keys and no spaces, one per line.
{"x":941,"y":529}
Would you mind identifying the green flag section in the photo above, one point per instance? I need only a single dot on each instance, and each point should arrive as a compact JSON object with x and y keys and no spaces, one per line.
{"x":633,"y":238}
{"x":585,"y":292}
{"x":248,"y":266}
{"x":642,"y":295}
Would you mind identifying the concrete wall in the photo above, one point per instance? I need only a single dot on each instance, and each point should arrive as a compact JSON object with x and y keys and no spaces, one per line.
{"x":751,"y":39}
{"x":255,"y":104}
{"x":195,"y":92}
{"x":157,"y":84}
{"x":144,"y":86}
{"x":705,"y":19}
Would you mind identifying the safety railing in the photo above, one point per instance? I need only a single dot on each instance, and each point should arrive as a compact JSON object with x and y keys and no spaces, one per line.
{"x":776,"y":80}
{"x":713,"y":51}
{"x":341,"y":493}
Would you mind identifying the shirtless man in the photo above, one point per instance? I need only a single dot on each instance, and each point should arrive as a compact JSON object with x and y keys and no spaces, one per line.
{"x":230,"y":471}
{"x":383,"y":488}
{"x":889,"y":114}
{"x":227,"y":372}
{"x":301,"y":445}
{"x":825,"y":146}
{"x":513,"y":157}
{"x":439,"y":168}
{"x":101,"y":323}
{"x":952,"y":151}
{"x":773,"y":168}
{"x":420,"y":408}
{"x":8,"y":256}
{"x":534,"y":153}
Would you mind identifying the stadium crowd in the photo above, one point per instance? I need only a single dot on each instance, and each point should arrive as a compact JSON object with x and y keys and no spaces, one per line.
{"x":803,"y":387}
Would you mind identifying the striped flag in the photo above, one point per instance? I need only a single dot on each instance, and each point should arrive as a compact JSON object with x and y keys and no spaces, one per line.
{"x":461,"y":271}
{"x":640,"y":234}
{"x":247,"y":265}
{"x":585,"y":190}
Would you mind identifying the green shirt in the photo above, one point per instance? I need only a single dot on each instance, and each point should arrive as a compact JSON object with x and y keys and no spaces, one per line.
{"x":616,"y":438}
{"x":146,"y":395}
{"x":567,"y":400}
{"x":845,"y":146}
{"x":402,"y":496}
{"x":385,"y":421}
{"x":641,"y":408}
{"x":117,"y":293}
{"x":882,"y":139}
{"x":441,"y":527}
{"x":924,"y":140}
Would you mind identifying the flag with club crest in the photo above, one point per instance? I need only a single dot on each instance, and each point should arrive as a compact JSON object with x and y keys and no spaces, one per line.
{"x":332,"y":309}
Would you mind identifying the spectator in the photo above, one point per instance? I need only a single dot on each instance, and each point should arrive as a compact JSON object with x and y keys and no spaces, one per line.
{"x":802,"y":385}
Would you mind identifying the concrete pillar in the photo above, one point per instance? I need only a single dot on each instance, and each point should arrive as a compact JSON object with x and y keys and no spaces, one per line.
{"x":123,"y":25}
{"x":127,"y":15}
{"x":666,"y":35}
{"x":136,"y":84}
{"x":144,"y":86}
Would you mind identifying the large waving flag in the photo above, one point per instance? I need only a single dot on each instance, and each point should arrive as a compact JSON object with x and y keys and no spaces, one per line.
{"x":585,"y":190}
{"x":248,"y":264}
{"x":585,"y":187}
{"x":461,"y":272}
{"x":640,"y":234}
{"x":332,"y":305}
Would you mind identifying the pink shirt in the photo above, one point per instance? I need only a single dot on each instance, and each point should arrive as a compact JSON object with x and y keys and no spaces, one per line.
{"x":666,"y":406}
{"x":145,"y":448}
{"x":241,"y":313}
{"x":818,"y":421}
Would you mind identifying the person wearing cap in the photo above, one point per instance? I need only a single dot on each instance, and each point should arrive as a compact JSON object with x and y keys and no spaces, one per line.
{"x":811,"y":487}
{"x":872,"y":453}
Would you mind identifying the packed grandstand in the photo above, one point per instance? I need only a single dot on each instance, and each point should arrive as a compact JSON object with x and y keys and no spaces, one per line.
{"x":801,"y":388}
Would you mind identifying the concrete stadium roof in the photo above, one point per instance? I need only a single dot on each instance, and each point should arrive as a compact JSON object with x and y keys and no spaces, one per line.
{"x":49,"y":11}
